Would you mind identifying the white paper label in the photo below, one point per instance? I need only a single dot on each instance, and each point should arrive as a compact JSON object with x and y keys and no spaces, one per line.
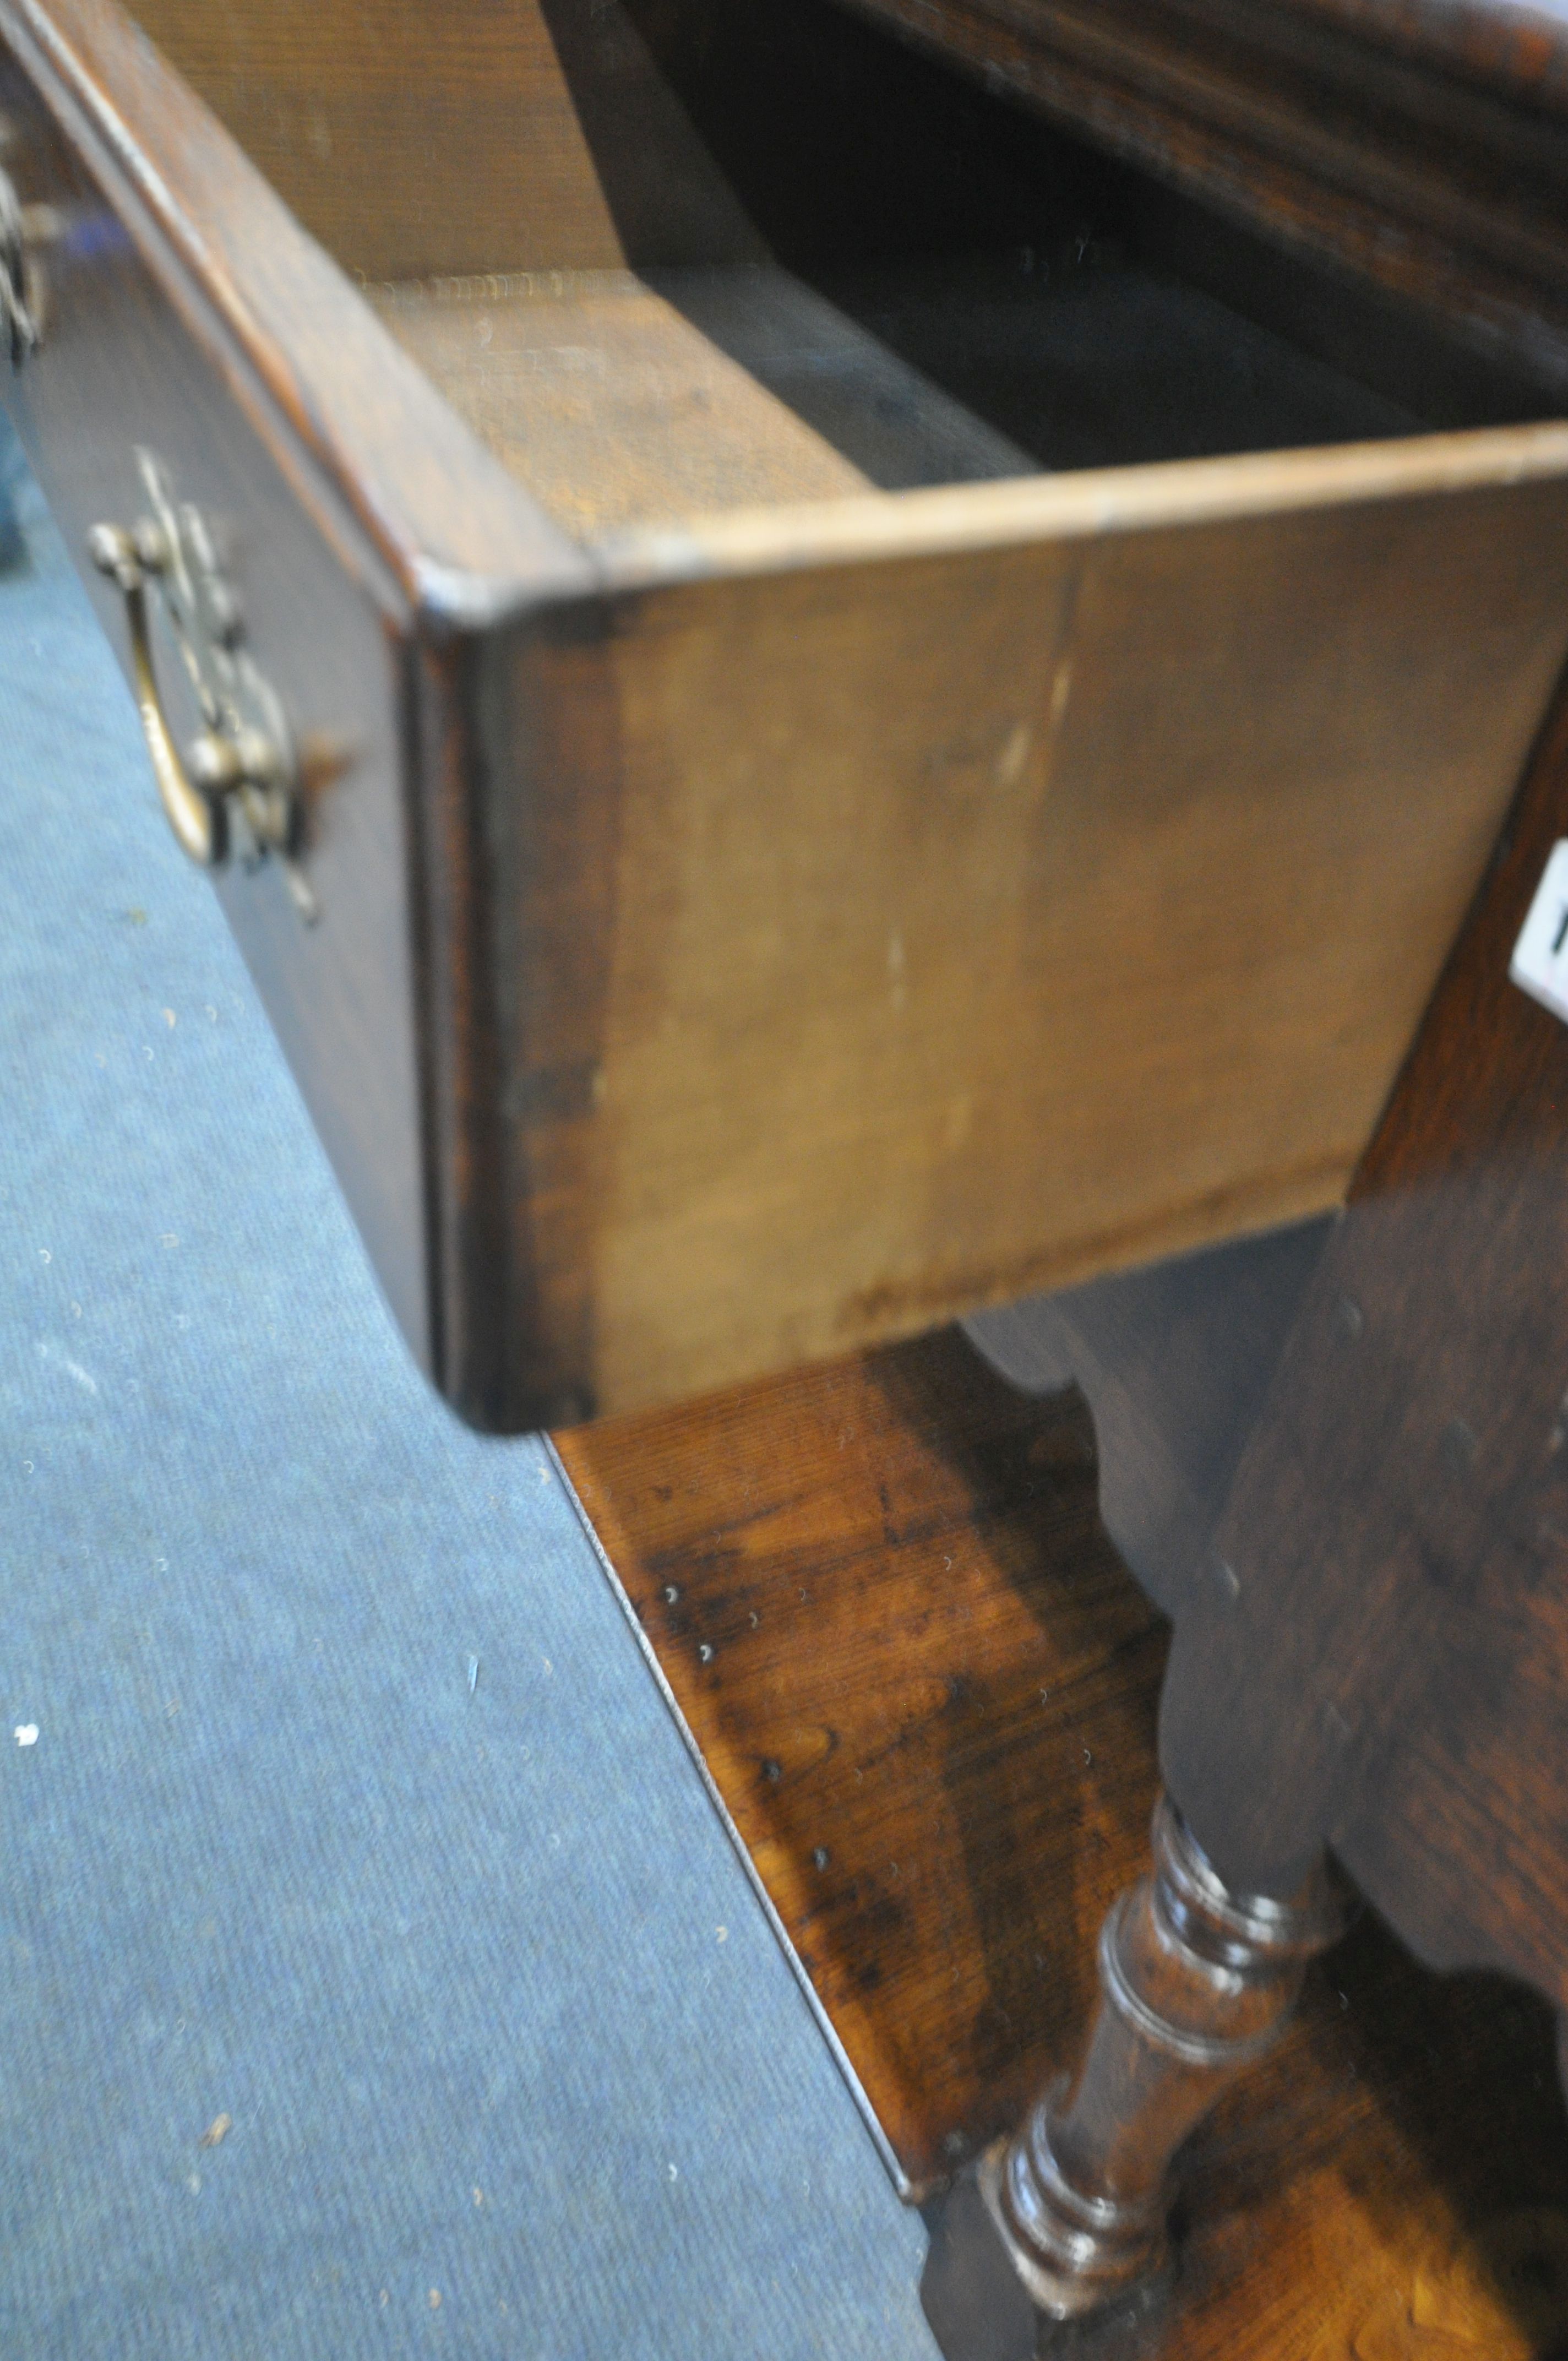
{"x":1539,"y":963}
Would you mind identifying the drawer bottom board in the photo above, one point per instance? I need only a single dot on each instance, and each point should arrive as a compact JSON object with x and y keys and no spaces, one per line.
{"x":623,"y":399}
{"x":922,"y":1689}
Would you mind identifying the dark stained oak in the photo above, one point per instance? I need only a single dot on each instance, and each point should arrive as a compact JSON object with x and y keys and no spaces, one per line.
{"x":1372,"y":1649}
{"x":127,"y":361}
{"x":1417,"y":149}
{"x":1173,"y":1361}
{"x":1391,"y":1673}
{"x":1371,"y":1645}
{"x":1365,"y":2190}
{"x":927,"y":1702}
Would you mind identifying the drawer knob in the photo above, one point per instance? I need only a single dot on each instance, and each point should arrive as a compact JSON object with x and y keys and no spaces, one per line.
{"x":234,"y":791}
{"x":17,"y":327}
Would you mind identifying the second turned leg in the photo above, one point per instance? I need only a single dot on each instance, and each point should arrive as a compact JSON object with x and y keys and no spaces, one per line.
{"x":1196,"y":1982}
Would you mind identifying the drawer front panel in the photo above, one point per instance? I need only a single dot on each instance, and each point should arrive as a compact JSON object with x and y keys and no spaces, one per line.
{"x":130,"y":361}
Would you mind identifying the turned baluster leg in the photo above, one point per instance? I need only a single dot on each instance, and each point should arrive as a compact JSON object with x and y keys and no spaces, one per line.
{"x":1196,"y":1982}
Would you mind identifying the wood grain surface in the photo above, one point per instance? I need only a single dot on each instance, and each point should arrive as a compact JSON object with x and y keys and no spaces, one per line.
{"x":622,"y":402}
{"x":981,"y":924}
{"x":924,"y":1667}
{"x":611,"y":407}
{"x":482,"y":148}
{"x":928,"y":1704}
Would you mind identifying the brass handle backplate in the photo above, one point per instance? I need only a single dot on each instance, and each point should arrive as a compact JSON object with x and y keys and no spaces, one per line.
{"x":236,"y":792}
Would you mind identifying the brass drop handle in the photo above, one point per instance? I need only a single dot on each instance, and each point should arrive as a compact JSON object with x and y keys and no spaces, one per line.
{"x":195,"y":812}
{"x":18,"y":329}
{"x":235,"y":789}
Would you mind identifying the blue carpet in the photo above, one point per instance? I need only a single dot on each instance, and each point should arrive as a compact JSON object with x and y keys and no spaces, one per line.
{"x":511,"y":2061}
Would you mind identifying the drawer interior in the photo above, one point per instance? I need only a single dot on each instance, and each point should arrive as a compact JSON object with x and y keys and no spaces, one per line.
{"x":669,"y":257}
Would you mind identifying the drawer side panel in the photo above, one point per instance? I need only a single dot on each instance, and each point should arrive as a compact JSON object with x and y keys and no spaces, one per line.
{"x":962,"y":926}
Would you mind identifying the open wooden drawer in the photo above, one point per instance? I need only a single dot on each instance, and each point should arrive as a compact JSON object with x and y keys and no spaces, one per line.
{"x":865,"y":738}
